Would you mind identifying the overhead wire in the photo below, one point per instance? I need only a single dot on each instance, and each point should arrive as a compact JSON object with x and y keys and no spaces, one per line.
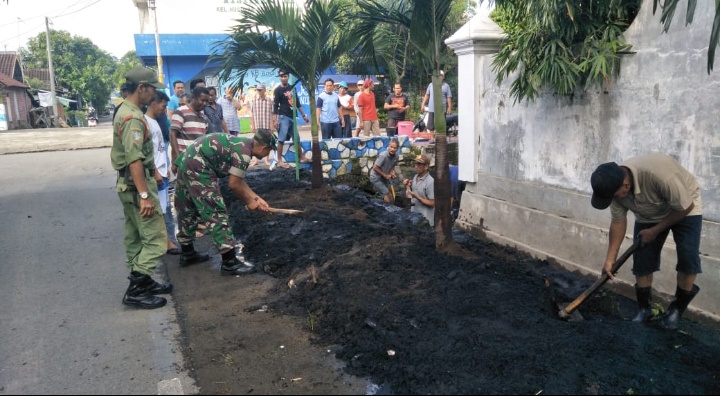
{"x":51,"y":18}
{"x":42,"y":15}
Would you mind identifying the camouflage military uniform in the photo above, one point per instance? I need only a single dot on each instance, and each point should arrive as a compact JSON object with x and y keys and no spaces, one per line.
{"x":145,"y":238}
{"x":197,"y":192}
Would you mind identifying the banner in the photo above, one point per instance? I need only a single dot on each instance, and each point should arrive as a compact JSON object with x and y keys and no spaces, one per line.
{"x":45,"y":99}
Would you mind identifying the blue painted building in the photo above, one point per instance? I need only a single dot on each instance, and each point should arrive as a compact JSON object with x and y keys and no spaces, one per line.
{"x":187,"y":57}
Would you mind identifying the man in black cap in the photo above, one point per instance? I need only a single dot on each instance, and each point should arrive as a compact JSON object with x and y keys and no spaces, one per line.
{"x":664,"y":196}
{"x":198,"y":197}
{"x":132,"y":156}
{"x":284,"y":98}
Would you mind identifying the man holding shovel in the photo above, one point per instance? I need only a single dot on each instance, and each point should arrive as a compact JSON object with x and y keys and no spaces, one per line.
{"x":383,"y":174}
{"x":422,"y":189}
{"x":664,"y":196}
{"x":198,"y":196}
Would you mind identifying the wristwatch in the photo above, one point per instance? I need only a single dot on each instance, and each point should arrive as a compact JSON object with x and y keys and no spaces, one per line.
{"x":144,"y":195}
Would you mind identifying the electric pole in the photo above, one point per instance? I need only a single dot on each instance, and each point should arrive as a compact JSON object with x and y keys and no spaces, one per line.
{"x":161,"y":76}
{"x":52,"y":73}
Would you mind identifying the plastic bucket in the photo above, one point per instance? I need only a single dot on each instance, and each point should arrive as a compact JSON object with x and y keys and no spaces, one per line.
{"x":405,"y":128}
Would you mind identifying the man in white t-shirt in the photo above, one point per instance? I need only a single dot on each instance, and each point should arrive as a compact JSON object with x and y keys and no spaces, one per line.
{"x":348,"y":109}
{"x":358,"y":122}
{"x":155,"y":109}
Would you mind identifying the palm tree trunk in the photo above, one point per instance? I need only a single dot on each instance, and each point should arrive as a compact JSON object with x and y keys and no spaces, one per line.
{"x":316,"y":179}
{"x":443,"y":224}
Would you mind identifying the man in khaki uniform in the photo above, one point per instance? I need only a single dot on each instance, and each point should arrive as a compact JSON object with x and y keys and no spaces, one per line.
{"x":664,"y":197}
{"x":132,"y":156}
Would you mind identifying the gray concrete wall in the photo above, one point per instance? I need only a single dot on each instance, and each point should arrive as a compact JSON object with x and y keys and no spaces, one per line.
{"x":529,"y":164}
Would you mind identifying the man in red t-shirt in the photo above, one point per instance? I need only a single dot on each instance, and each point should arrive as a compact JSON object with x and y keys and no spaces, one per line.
{"x":366,"y":103}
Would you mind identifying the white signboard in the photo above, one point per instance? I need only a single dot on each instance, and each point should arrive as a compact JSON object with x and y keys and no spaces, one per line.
{"x":175,"y":17}
{"x":3,"y":118}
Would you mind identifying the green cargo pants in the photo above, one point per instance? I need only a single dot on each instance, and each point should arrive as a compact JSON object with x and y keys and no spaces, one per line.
{"x":145,"y":238}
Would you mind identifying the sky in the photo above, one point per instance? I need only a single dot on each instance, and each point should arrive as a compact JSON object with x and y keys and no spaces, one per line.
{"x":109,"y":24}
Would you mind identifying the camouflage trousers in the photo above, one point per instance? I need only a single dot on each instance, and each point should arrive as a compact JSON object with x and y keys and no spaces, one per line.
{"x":198,"y":199}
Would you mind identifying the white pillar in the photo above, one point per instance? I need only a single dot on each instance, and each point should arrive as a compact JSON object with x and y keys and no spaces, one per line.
{"x":474,"y":44}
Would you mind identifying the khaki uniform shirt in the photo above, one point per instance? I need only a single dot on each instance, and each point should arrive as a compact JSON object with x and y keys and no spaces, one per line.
{"x":661,"y":184}
{"x":425,"y":187}
{"x":131,"y":141}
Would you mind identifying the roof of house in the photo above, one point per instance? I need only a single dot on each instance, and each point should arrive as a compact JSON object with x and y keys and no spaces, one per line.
{"x":10,"y":82}
{"x":40,"y":74}
{"x":10,"y":65}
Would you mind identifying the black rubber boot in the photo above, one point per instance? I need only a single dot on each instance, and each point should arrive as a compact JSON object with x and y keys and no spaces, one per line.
{"x":138,"y":293}
{"x":671,"y":318}
{"x":191,"y":256}
{"x":644,"y":299}
{"x":232,"y":266}
{"x":152,"y":286}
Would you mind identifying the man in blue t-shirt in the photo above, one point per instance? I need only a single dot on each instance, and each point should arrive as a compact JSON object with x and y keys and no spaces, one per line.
{"x":429,"y":98}
{"x":174,"y":103}
{"x":328,"y":112}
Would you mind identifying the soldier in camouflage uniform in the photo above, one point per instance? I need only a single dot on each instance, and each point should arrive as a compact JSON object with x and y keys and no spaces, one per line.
{"x":132,"y":156}
{"x":198,"y":197}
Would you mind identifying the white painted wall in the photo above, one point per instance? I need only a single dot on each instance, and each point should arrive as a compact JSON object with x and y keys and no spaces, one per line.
{"x":529,"y":164}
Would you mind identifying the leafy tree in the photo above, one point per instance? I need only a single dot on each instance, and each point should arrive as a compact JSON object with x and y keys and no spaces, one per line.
{"x":392,"y":52}
{"x":127,"y":62}
{"x":425,"y":21}
{"x":561,"y":44}
{"x":303,"y":42}
{"x":79,"y":65}
{"x":34,"y":83}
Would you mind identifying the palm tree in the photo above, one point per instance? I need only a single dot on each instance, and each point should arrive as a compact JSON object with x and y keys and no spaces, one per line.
{"x":424,"y":20}
{"x":305,"y":42}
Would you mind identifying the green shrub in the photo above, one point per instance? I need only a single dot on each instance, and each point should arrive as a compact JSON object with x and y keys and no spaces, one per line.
{"x":73,"y":116}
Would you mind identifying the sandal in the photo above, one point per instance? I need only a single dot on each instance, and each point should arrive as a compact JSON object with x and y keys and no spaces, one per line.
{"x":173,"y":251}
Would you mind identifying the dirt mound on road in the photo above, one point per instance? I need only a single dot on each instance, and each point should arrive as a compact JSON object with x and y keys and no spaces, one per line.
{"x":367,"y":285}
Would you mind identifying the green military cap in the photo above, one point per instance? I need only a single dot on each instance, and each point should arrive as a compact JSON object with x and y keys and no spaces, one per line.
{"x":266,"y":137}
{"x":143,"y":75}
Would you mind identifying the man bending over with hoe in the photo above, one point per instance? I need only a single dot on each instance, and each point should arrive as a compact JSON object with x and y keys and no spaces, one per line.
{"x":664,"y":196}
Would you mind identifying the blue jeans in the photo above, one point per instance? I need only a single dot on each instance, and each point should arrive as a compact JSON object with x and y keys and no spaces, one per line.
{"x":330,"y":130}
{"x":169,"y":219}
{"x":285,"y":128}
{"x":347,"y":130}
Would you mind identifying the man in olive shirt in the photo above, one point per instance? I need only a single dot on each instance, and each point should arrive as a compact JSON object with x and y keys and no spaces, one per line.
{"x":132,"y":156}
{"x":664,"y":196}
{"x":421,"y":189}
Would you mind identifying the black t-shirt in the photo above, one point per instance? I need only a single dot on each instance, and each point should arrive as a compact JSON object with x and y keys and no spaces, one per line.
{"x":401,"y":100}
{"x":282,"y":101}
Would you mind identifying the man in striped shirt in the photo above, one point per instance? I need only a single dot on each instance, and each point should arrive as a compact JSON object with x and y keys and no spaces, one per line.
{"x":262,"y":116}
{"x":230,"y":107}
{"x":188,"y":123}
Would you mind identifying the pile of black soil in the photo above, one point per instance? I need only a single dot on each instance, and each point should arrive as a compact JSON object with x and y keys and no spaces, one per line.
{"x":367,"y":278}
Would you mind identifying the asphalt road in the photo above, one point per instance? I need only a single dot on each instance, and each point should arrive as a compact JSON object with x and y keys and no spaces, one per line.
{"x":62,"y":276}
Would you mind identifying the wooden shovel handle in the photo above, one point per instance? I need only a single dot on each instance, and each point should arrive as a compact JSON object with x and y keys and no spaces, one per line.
{"x":282,"y":211}
{"x":285,"y":211}
{"x":601,"y":281}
